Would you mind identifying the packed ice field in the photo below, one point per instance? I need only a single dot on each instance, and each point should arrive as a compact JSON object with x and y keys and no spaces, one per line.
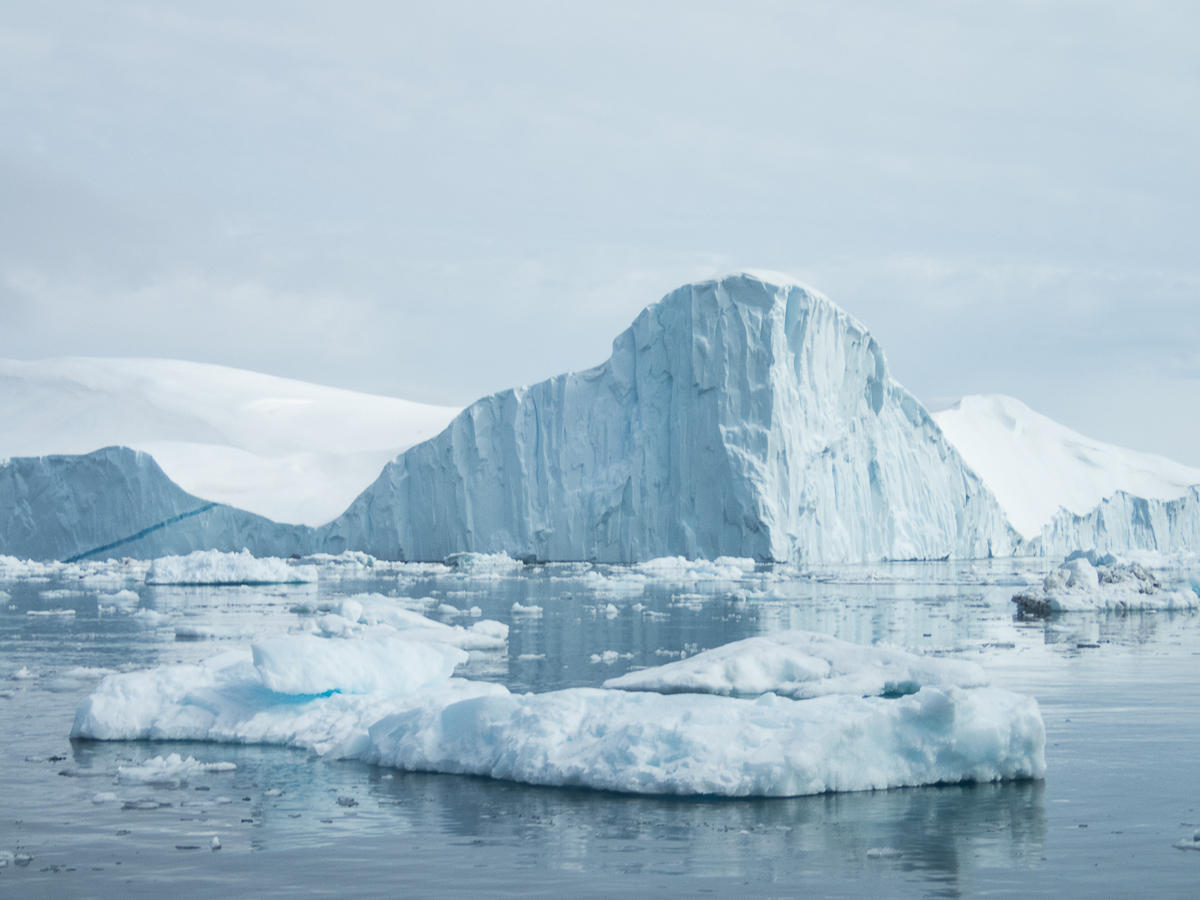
{"x":427,"y":683}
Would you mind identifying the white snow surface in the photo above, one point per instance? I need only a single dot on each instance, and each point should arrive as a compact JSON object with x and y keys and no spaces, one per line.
{"x":1035,"y":466}
{"x":288,"y":450}
{"x":802,"y":665}
{"x":1089,"y":582}
{"x":304,"y":664}
{"x":614,"y":740}
{"x":215,"y":567}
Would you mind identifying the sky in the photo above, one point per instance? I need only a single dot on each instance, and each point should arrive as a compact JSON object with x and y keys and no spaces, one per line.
{"x":438,"y":201}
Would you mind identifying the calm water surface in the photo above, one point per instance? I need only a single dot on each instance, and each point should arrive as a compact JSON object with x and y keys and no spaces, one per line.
{"x":1119,"y":695}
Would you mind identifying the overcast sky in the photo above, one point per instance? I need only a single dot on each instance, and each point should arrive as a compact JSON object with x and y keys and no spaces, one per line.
{"x":441,"y":200}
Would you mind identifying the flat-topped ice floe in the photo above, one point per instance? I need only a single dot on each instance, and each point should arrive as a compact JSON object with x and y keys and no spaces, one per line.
{"x":215,"y":567}
{"x":1090,"y":582}
{"x":802,"y":665}
{"x":638,"y":742}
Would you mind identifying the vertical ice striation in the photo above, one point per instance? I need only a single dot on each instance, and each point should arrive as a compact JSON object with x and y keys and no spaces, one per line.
{"x":746,"y":416}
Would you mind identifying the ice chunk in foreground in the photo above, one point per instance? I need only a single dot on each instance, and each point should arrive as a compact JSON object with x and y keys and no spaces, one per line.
{"x":614,"y":740}
{"x":215,"y":567}
{"x":1088,"y":582}
{"x":302,"y":664}
{"x":802,"y":664}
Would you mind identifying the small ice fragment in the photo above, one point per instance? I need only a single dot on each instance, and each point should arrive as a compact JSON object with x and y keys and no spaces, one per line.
{"x":884,"y":853}
{"x":531,"y":610}
{"x":104,"y":797}
{"x":216,"y":843}
{"x":273,"y":792}
{"x":22,"y":859}
{"x":5,"y":858}
{"x":23,"y":674}
{"x":224,"y":800}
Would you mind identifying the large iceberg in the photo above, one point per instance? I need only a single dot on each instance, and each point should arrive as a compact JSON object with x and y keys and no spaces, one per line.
{"x":747,"y":417}
{"x":399,"y":706}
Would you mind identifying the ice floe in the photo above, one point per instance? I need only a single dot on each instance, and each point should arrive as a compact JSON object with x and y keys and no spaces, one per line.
{"x":215,"y":567}
{"x":171,"y":769}
{"x":800,"y":665}
{"x":1087,"y":581}
{"x":635,"y":741}
{"x":374,"y":614}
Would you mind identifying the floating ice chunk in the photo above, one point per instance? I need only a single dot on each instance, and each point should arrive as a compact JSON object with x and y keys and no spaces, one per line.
{"x":1089,"y":582}
{"x":656,"y":744}
{"x":608,"y":657}
{"x":531,"y":610}
{"x":124,"y":599}
{"x":365,"y":614}
{"x":615,"y":740}
{"x":50,"y":612}
{"x":150,"y":616}
{"x":215,"y":567}
{"x":483,"y":563}
{"x":302,"y":664}
{"x":60,"y":594}
{"x":105,"y":797}
{"x":884,"y":853}
{"x":216,"y":843}
{"x":802,"y":664}
{"x":87,"y":672}
{"x":680,"y":569}
{"x":23,"y":674}
{"x":171,"y":769}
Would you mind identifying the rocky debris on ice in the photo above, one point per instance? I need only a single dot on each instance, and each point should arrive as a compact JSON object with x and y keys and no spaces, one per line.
{"x":639,"y":742}
{"x":802,"y":665}
{"x":172,"y":770}
{"x":215,"y":567}
{"x":1088,"y":581}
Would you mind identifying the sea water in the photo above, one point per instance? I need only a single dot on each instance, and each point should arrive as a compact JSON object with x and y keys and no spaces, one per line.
{"x":1118,"y":693}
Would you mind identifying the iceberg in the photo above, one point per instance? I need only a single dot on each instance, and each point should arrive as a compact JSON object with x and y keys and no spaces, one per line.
{"x":802,"y":665}
{"x":746,"y":417}
{"x":1039,"y":470}
{"x":1088,"y":581}
{"x":215,"y":567}
{"x":283,"y":449}
{"x":419,"y":718}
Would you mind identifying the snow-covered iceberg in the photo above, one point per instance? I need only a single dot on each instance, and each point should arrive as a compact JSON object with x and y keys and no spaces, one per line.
{"x":802,"y":665}
{"x":287,"y":450}
{"x":215,"y":567}
{"x":745,"y":417}
{"x":413,"y":716}
{"x":1051,"y":480}
{"x":1088,"y":581}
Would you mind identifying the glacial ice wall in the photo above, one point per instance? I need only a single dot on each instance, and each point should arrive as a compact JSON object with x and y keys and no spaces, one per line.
{"x":747,"y":416}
